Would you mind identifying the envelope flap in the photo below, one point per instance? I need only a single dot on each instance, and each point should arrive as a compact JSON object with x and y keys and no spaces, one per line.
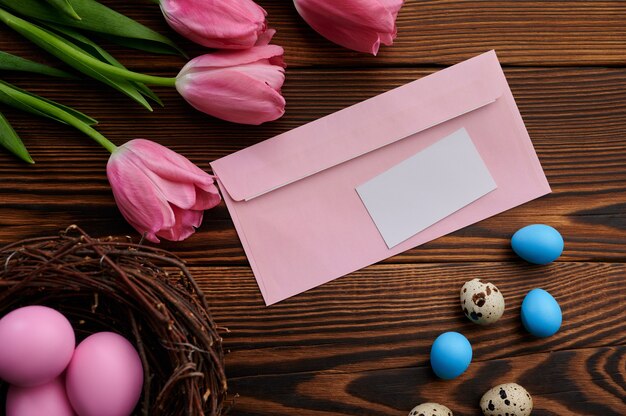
{"x":361,"y":128}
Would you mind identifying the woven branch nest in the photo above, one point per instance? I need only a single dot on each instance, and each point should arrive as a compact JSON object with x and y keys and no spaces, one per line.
{"x":143,"y":293}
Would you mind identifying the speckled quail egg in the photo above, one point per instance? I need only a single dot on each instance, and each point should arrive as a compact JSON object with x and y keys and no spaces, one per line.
{"x":430,"y":409}
{"x":482,"y":302}
{"x":507,"y":399}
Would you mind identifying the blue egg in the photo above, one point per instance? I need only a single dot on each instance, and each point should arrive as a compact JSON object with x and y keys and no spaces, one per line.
{"x":537,"y":243}
{"x":541,"y":313}
{"x":450,"y":355}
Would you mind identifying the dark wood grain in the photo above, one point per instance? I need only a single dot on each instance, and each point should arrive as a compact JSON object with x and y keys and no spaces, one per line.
{"x":575,"y":118}
{"x":359,"y":345}
{"x":387,"y":316}
{"x":574,"y":382}
{"x":524,"y":32}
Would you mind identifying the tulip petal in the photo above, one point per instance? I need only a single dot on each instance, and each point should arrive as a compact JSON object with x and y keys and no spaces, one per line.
{"x":207,"y":199}
{"x":266,"y":37}
{"x":233,"y":96}
{"x":272,"y":75}
{"x":360,"y":40}
{"x":393,"y":6}
{"x":186,"y":223}
{"x":226,"y":59}
{"x":143,"y":206}
{"x":181,"y":194}
{"x":158,"y":191}
{"x":168,"y":164}
{"x":234,"y":24}
{"x":360,"y":25}
{"x":372,"y":14}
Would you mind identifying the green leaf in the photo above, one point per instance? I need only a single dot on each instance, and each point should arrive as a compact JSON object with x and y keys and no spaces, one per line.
{"x":64,"y":6}
{"x":142,"y":45}
{"x":59,"y":46}
{"x":96,"y":17}
{"x":10,"y":95}
{"x":12,"y":142}
{"x":26,"y":101}
{"x":8,"y":99}
{"x":124,"y":86}
{"x":98,"y":52}
{"x":10,"y":62}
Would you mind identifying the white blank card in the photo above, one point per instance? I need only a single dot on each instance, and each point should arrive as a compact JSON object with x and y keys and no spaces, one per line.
{"x":426,"y":188}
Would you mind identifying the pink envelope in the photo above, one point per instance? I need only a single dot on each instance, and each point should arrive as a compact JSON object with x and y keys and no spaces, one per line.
{"x":292,"y":198}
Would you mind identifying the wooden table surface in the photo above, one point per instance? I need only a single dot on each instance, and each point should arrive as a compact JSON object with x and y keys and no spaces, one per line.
{"x":359,"y":345}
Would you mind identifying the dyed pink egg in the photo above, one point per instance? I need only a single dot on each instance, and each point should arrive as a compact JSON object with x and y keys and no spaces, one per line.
{"x":36,"y":344}
{"x":105,"y":376}
{"x":48,"y":399}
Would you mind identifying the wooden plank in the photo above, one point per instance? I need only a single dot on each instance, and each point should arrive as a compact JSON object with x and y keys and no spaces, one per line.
{"x":433,"y":31}
{"x":578,"y":382}
{"x":445,"y":32}
{"x":360,"y":344}
{"x":575,"y":117}
{"x":387,"y":316}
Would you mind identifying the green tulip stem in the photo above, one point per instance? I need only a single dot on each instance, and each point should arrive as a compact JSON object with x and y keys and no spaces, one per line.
{"x":59,"y":114}
{"x":57,"y":45}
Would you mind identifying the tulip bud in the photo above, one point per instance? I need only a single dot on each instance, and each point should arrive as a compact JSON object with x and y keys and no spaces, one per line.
{"x":361,"y":25}
{"x":222,"y":24}
{"x":242,"y":86}
{"x":159,"y":192}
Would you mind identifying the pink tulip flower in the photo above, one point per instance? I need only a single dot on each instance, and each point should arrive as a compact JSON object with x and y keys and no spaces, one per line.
{"x":159,"y":192}
{"x":222,"y":24}
{"x":242,"y":86}
{"x":361,"y":25}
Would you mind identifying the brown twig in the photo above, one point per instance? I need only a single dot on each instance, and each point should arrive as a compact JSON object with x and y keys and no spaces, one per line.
{"x":144,"y":293}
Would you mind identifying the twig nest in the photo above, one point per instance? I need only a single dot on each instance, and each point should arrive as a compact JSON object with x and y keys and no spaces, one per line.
{"x":482,"y":302}
{"x":430,"y":409}
{"x":144,"y":294}
{"x":509,"y":398}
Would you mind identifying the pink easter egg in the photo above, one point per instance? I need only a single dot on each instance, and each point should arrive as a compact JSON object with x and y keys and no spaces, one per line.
{"x":48,"y":399}
{"x":36,"y":345}
{"x":105,"y":376}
